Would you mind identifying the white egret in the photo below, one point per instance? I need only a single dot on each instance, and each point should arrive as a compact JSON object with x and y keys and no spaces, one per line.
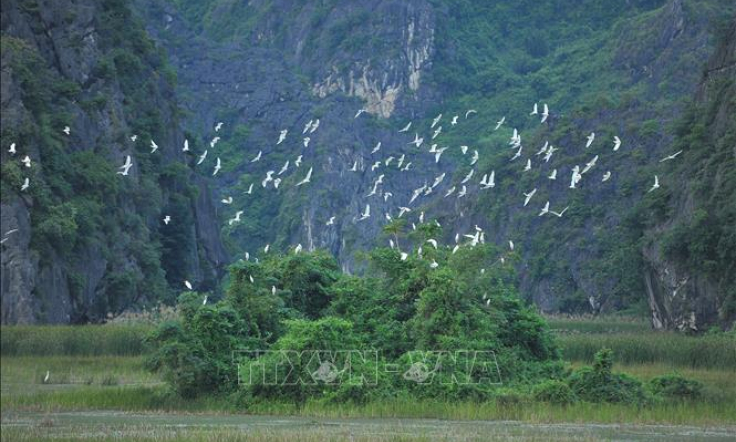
{"x":529,"y":196}
{"x":307,"y":179}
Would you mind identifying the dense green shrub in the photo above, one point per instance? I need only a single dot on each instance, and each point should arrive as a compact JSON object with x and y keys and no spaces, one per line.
{"x":599,"y":384}
{"x":674,"y":386}
{"x":554,"y":392}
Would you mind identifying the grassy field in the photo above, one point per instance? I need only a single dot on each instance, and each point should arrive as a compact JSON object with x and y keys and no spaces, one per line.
{"x":96,"y":369}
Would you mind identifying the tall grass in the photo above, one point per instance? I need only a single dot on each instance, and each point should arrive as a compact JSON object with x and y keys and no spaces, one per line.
{"x":81,"y":340}
{"x":710,"y":351}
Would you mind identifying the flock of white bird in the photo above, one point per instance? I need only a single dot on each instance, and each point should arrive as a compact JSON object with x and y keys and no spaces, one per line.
{"x":273,"y":178}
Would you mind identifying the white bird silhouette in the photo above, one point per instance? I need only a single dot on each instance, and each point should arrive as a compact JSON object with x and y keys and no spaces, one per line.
{"x":186,"y":146}
{"x":401,"y":161}
{"x":667,"y":158}
{"x":67,"y":130}
{"x":406,"y":128}
{"x":204,"y":301}
{"x":549,"y":153}
{"x":434,"y":264}
{"x":284,"y":168}
{"x":250,"y":189}
{"x":438,"y":154}
{"x":377,"y":148}
{"x":470,"y":111}
{"x":435,"y":121}
{"x":282,"y":136}
{"x":590,"y":164}
{"x":518,"y":153}
{"x":47,"y":377}
{"x":307,"y":179}
{"x":357,"y":114}
{"x":387,"y":195}
{"x":591,"y":137}
{"x":218,"y":127}
{"x":355,"y":166}
{"x":438,"y":180}
{"x":236,"y":219}
{"x":528,"y":166}
{"x":265,"y":249}
{"x":188,"y":284}
{"x":375,"y":166}
{"x":463,"y":192}
{"x":545,"y":209}
{"x":655,"y":185}
{"x":468,"y":176}
{"x":511,"y":245}
{"x":218,"y":166}
{"x":228,"y":200}
{"x":535,"y":111}
{"x":433,"y":242}
{"x":126,"y":167}
{"x":366,"y":214}
{"x":202,"y":157}
{"x":305,"y":142}
{"x":403,"y":210}
{"x":257,"y":157}
{"x":464,"y":149}
{"x":331,"y":221}
{"x":545,"y":113}
{"x":298,"y":161}
{"x":417,"y":140}
{"x":12,"y":149}
{"x":154,"y":146}
{"x":437,"y":132}
{"x":404,"y":256}
{"x":616,"y":143}
{"x":500,"y":122}
{"x":529,"y":196}
{"x":553,"y":175}
{"x":307,"y":127}
{"x":406,"y":167}
{"x":315,"y":126}
{"x":297,"y":249}
{"x":559,"y":215}
{"x":454,"y":121}
{"x":268,"y":179}
{"x":450,"y":192}
{"x":576,"y":176}
{"x":26,"y":184}
{"x":474,"y":158}
{"x":606,"y":176}
{"x":543,"y":149}
{"x":133,"y":138}
{"x":167,"y":220}
{"x":214,"y":142}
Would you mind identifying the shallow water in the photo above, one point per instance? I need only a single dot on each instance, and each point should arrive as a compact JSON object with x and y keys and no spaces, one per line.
{"x":81,"y":424}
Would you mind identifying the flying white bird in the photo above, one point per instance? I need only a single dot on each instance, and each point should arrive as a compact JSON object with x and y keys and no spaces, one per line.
{"x":12,"y":149}
{"x":265,"y":249}
{"x":401,"y":161}
{"x":126,"y":166}
{"x":656,"y":184}
{"x":47,"y":377}
{"x":404,"y":256}
{"x":218,"y":166}
{"x":307,"y":179}
{"x":606,"y":176}
{"x":576,"y":176}
{"x":250,"y":190}
{"x":435,"y":121}
{"x":403,"y":210}
{"x":276,"y":183}
{"x":188,"y":284}
{"x":549,"y":153}
{"x":450,"y":192}
{"x":257,"y":157}
{"x":214,"y":142}
{"x":167,"y":220}
{"x":421,"y":217}
{"x":236,"y":219}
{"x":366,"y":214}
{"x":438,"y":154}
{"x":204,"y":301}
{"x":468,"y":176}
{"x":517,"y":154}
{"x":273,"y":290}
{"x":553,"y":175}
{"x":545,"y":113}
{"x":218,"y":127}
{"x":297,"y":249}
{"x":298,"y":161}
{"x":357,"y":114}
{"x":463,"y":192}
{"x":282,"y":136}
{"x":268,"y":179}
{"x":375,"y":166}
{"x":388,"y":161}
{"x":26,"y":161}
{"x":474,"y":159}
{"x":590,"y":164}
{"x":406,"y":167}
{"x":591,"y":137}
{"x":511,"y":245}
{"x":543,"y":149}
{"x":314,"y":126}
{"x":464,"y":149}
{"x":133,"y":138}
{"x":667,"y":158}
{"x":377,"y":148}
{"x":67,"y":130}
{"x":307,"y":127}
{"x":417,"y":141}
{"x":154,"y":146}
{"x":616,"y":143}
{"x":387,"y":195}
{"x":437,"y":132}
{"x":559,"y":215}
{"x":202,"y":157}
{"x":470,"y":111}
{"x":331,"y":221}
{"x":545,"y":209}
{"x":438,"y":180}
{"x":433,"y":242}
{"x":305,"y":142}
{"x":455,"y":249}
{"x":535,"y":111}
{"x":500,"y":122}
{"x":284,"y":168}
{"x":355,"y":167}
{"x":186,"y":146}
{"x":528,"y":166}
{"x":228,"y":200}
{"x":405,"y":128}
{"x":529,"y":196}
{"x":454,"y":121}
{"x":26,"y":184}
{"x":433,"y":265}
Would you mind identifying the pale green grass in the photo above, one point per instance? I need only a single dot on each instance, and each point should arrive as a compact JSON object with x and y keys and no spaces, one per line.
{"x":78,"y":340}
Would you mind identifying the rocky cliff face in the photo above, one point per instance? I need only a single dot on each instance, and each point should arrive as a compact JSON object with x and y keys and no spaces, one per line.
{"x":82,"y":243}
{"x":684,"y":292}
